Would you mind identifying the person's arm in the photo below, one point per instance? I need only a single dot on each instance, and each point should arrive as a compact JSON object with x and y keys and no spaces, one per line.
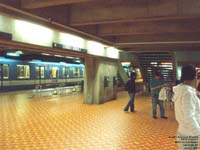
{"x":157,"y":87}
{"x":127,"y":87}
{"x":188,"y":110}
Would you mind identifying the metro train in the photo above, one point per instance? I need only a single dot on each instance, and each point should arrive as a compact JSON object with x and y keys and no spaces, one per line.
{"x":16,"y":74}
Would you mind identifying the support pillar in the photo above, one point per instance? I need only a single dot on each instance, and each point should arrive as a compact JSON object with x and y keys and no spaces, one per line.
{"x":100,"y":80}
{"x":89,"y":78}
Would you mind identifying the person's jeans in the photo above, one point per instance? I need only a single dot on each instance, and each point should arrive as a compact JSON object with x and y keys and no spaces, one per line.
{"x":156,"y":101}
{"x":130,"y":102}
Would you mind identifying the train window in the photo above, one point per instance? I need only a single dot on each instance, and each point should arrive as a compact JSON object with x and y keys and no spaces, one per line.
{"x":39,"y":71}
{"x":4,"y":71}
{"x":76,"y":72}
{"x":65,"y":72}
{"x":54,"y":72}
{"x":23,"y":71}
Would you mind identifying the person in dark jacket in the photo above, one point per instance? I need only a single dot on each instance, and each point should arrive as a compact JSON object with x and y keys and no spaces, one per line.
{"x":130,"y":87}
{"x":198,"y":83}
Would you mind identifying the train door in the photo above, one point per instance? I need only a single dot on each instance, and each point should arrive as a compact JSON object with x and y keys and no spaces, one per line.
{"x":39,"y":70}
{"x":54,"y":75}
{"x":76,"y":72}
{"x":3,"y":74}
{"x":65,"y":73}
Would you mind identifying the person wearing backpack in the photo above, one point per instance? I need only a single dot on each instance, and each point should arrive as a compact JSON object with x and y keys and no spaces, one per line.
{"x":130,"y":87}
{"x":198,"y":84}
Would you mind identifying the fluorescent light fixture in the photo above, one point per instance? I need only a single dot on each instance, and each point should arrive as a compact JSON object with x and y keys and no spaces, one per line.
{"x":36,"y":60}
{"x":46,"y":54}
{"x":5,"y":23}
{"x":166,"y":63}
{"x":70,"y":57}
{"x":33,"y":33}
{"x":63,"y":63}
{"x":112,"y":52}
{"x":58,"y":56}
{"x":163,"y":65}
{"x":19,"y":52}
{"x":96,"y":48}
{"x":12,"y":54}
{"x":197,"y":68}
{"x":126,"y":63}
{"x":154,"y":63}
{"x":179,"y":68}
{"x":72,"y":40}
{"x":78,"y":61}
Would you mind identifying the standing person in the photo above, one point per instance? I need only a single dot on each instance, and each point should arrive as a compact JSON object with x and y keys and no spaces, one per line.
{"x":187,"y":109}
{"x":156,"y":84}
{"x":177,"y":82}
{"x":198,"y":84}
{"x":130,"y":87}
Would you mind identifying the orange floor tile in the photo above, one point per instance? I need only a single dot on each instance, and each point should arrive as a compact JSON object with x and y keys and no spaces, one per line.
{"x":64,"y":123}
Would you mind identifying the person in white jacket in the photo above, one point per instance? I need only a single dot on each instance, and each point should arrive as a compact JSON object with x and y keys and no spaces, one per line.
{"x":187,"y":110}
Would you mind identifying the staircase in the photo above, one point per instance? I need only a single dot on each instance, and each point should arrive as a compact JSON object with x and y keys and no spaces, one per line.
{"x":122,"y":75}
{"x":153,"y":61}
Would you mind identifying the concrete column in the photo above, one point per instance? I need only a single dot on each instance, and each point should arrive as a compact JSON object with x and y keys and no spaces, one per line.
{"x":89,"y":77}
{"x":100,"y":75}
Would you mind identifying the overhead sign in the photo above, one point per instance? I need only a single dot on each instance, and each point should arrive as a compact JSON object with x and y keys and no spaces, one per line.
{"x":61,"y":46}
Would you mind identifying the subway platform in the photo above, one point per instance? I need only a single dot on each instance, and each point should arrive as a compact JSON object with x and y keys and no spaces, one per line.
{"x":65,"y":123}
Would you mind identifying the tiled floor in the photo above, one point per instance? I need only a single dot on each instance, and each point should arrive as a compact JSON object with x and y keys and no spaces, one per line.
{"x":64,"y":123}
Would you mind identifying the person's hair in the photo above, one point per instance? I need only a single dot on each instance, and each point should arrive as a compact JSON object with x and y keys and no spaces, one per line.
{"x":188,"y":72}
{"x":158,"y":73}
{"x":133,"y":75}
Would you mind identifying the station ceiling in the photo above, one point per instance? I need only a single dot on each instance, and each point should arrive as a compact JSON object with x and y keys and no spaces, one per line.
{"x":131,"y":25}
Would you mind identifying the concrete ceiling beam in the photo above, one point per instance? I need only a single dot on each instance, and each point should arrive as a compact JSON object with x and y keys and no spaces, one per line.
{"x":32,"y":4}
{"x":116,"y":11}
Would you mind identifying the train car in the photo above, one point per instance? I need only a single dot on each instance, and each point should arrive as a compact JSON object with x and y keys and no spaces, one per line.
{"x":29,"y":74}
